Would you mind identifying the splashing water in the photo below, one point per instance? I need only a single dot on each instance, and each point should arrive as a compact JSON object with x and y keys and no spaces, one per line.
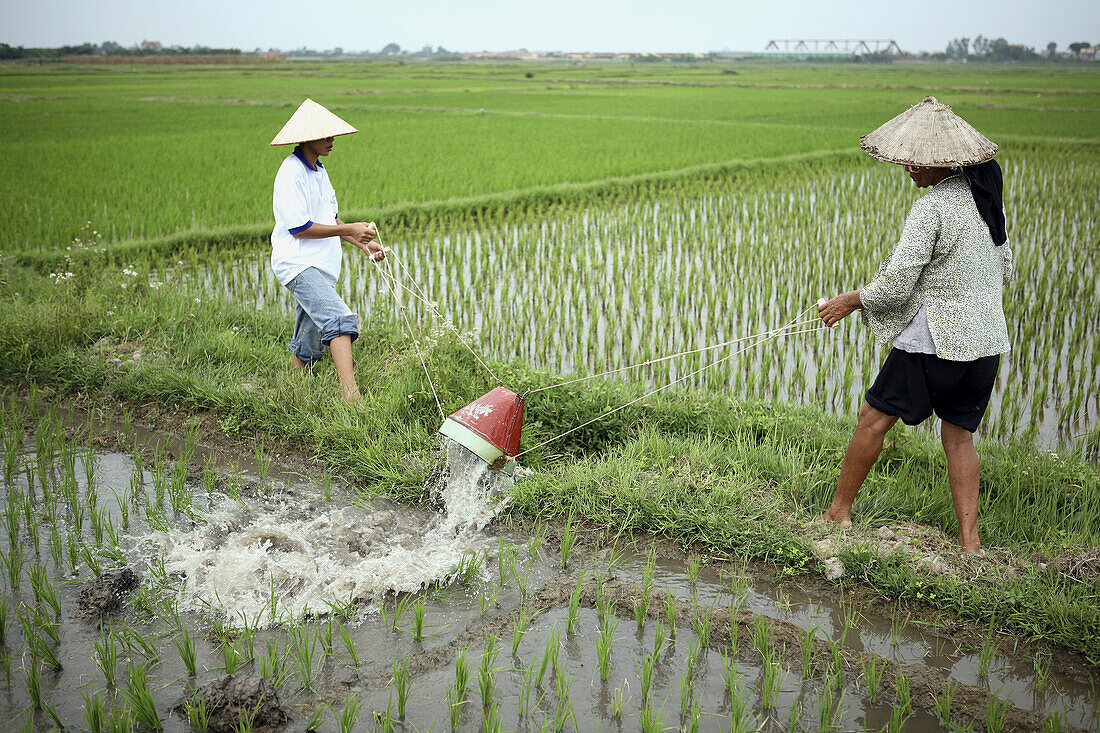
{"x":254,"y":553}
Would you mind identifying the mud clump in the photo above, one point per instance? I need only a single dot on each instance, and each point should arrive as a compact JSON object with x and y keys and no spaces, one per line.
{"x":234,"y":700}
{"x":103,"y":596}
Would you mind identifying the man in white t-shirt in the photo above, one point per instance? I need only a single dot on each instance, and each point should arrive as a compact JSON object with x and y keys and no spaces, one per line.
{"x":305,"y":243}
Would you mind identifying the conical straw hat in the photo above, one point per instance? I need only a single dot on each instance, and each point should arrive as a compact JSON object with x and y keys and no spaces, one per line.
{"x":929,"y":134}
{"x":311,"y":122}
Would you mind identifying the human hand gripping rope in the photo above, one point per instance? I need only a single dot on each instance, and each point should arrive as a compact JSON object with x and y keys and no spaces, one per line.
{"x":490,"y":425}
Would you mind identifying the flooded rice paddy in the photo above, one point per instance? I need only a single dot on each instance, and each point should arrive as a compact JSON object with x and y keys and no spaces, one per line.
{"x":604,"y":288}
{"x":364,"y":615}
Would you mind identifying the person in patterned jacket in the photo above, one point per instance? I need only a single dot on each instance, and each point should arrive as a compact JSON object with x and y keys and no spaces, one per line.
{"x":937,"y":300}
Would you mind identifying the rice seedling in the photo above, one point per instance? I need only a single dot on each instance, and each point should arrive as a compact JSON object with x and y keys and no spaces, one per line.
{"x":549,"y":656}
{"x":828,"y":707}
{"x":455,"y":702}
{"x":942,"y":701}
{"x":904,"y":694}
{"x":399,"y":609}
{"x":94,"y":712}
{"x":563,"y":711}
{"x":617,"y":702}
{"x":995,"y":714}
{"x":383,"y":719}
{"x":762,"y":637}
{"x":897,"y":719}
{"x":851,"y":618}
{"x":703,"y":621}
{"x":485,"y":671}
{"x":194,"y":708}
{"x":652,"y":721}
{"x":462,"y":675}
{"x":692,"y":656}
{"x":604,"y":638}
{"x":13,"y":562}
{"x":693,"y":569}
{"x":523,"y":582}
{"x":660,"y":636}
{"x":519,"y":628}
{"x":687,"y":690}
{"x":469,"y":567}
{"x":402,"y":681}
{"x":5,"y":666}
{"x":140,"y":699}
{"x":349,"y":646}
{"x":185,"y":644}
{"x":302,"y":647}
{"x":505,"y":558}
{"x":536,"y":541}
{"x":641,"y":607}
{"x":44,"y":592}
{"x":574,"y":606}
{"x":568,"y":539}
{"x":34,"y":685}
{"x":3,"y":619}
{"x":490,"y":719}
{"x":988,"y":652}
{"x":1055,"y":724}
{"x":873,"y":669}
{"x":231,"y":657}
{"x":487,"y":600}
{"x":730,"y":675}
{"x":671,"y":604}
{"x":525,"y":683}
{"x":1040,"y":673}
{"x":770,"y":684}
{"x":272,"y":664}
{"x":648,"y":664}
{"x":418,"y":619}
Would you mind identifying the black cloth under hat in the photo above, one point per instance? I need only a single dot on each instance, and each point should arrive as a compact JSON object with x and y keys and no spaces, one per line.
{"x":987,"y":185}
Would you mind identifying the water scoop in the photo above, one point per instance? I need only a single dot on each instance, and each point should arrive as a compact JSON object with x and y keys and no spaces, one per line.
{"x":489,"y":427}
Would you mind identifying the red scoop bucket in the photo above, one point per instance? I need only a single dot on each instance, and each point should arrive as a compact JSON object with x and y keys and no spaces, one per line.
{"x":489,"y":427}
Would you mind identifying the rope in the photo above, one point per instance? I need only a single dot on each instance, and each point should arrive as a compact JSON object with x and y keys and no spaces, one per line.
{"x":761,"y":338}
{"x":433,"y":307}
{"x":390,"y":282}
{"x":673,"y":356}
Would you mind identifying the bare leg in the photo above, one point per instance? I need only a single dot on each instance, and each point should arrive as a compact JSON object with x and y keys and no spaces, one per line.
{"x":863,"y":450}
{"x":297,"y":363}
{"x":962,"y":474}
{"x":340,"y":347}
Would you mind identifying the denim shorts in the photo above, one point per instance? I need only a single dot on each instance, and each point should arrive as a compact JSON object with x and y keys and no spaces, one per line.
{"x":320,"y":316}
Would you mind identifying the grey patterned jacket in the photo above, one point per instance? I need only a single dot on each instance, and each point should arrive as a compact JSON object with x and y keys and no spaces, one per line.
{"x":946,"y":260}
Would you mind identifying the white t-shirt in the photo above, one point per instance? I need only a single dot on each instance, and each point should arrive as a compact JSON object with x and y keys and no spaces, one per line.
{"x":303,"y":197}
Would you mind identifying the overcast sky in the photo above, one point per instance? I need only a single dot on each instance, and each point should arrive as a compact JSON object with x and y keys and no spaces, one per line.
{"x":549,"y":25}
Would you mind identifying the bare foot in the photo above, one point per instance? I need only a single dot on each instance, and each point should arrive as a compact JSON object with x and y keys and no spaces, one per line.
{"x":971,"y":548}
{"x":351,"y":392}
{"x":841,"y":520}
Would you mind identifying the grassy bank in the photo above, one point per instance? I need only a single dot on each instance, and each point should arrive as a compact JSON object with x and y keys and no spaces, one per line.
{"x":731,"y":478}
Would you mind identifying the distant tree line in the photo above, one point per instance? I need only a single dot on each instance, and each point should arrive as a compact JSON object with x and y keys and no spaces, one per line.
{"x":110,"y":48}
{"x":390,"y":49}
{"x":999,"y":49}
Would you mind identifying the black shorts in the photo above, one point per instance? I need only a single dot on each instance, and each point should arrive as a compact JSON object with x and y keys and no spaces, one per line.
{"x":913,"y":386}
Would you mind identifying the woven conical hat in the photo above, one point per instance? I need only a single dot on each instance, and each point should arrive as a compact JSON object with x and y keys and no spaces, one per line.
{"x":929,"y":134}
{"x":311,"y":122}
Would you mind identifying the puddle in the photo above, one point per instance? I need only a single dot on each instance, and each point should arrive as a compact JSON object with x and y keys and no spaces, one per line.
{"x":1010,"y":677}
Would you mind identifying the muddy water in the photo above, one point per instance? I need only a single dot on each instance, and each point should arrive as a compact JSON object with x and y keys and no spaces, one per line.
{"x":248,"y":535}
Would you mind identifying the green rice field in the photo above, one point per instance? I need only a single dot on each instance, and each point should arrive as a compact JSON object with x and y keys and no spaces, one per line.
{"x":562,"y":221}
